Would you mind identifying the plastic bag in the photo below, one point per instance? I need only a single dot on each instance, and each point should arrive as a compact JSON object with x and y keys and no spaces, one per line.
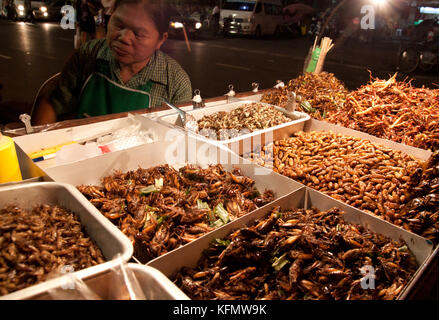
{"x":71,"y":287}
{"x":127,"y":136}
{"x":77,"y":152}
{"x":125,"y":285}
{"x":117,"y":283}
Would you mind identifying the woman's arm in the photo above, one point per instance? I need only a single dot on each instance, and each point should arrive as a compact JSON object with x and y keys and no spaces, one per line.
{"x":44,"y":113}
{"x":59,"y":96}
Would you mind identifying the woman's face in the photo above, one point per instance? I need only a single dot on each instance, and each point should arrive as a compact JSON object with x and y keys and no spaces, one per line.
{"x":132,"y":35}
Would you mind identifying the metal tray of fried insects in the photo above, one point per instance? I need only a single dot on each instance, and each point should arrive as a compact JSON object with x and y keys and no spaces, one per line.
{"x":246,"y":142}
{"x":107,"y":237}
{"x":154,"y":285}
{"x":316,"y":125}
{"x":177,"y":152}
{"x":188,"y":256}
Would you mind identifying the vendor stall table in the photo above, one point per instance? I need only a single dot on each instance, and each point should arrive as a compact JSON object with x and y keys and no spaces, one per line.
{"x":428,"y":287}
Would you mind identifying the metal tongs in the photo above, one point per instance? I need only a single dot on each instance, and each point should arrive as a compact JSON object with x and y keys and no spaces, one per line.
{"x":291,"y":102}
{"x":197,"y":101}
{"x":25,"y":118}
{"x":230,"y":96}
{"x":185,"y":119}
{"x":294,"y":100}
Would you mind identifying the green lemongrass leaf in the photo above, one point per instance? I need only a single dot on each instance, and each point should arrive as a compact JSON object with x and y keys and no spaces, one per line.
{"x":161,"y":219}
{"x":218,"y":223}
{"x":280,"y":262}
{"x":221,"y":213}
{"x":159,"y":183}
{"x":220,"y":242}
{"x":403,"y":249}
{"x":306,"y":105}
{"x":202,"y":205}
{"x":148,"y":190}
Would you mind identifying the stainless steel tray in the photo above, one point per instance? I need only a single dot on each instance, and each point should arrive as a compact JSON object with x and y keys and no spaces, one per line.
{"x":246,"y":142}
{"x":108,"y":237}
{"x":154,"y":284}
{"x":305,"y":197}
{"x":187,"y":150}
{"x":316,"y":125}
{"x":425,"y":282}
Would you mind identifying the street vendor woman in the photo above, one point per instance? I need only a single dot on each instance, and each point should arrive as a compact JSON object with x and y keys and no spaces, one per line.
{"x":124,"y":72}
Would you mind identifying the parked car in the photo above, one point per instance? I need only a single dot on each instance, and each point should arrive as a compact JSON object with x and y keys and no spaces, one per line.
{"x":44,"y":10}
{"x":19,"y":11}
{"x":40,"y":10}
{"x":251,"y":17}
{"x":51,"y":10}
{"x":16,"y":10}
{"x":192,"y":25}
{"x":36,"y":6}
{"x":422,"y":30}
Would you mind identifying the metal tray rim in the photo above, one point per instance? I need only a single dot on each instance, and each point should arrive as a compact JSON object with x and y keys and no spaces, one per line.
{"x":244,"y":220}
{"x":127,"y":248}
{"x":177,"y":293}
{"x":303,"y":118}
{"x":85,"y":274}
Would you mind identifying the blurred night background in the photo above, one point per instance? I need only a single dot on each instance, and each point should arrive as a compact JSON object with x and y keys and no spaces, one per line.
{"x":250,"y":42}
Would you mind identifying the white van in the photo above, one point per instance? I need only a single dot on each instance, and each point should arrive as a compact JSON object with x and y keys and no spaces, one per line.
{"x":253,"y":17}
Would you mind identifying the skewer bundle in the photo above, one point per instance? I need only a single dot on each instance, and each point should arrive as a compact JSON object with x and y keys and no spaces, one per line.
{"x":325,"y":45}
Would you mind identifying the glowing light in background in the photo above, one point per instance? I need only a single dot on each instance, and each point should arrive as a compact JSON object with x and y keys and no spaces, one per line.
{"x":429,"y":10}
{"x":47,"y":26}
{"x":24,"y":36}
{"x":380,"y":3}
{"x":177,"y":25}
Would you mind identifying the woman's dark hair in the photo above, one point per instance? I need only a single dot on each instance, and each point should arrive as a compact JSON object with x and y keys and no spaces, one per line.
{"x":157,"y":10}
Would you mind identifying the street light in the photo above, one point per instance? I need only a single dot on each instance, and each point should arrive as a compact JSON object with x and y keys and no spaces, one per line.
{"x":379,"y":2}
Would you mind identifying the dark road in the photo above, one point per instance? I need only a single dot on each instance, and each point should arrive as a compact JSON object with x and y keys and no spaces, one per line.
{"x":31,"y":53}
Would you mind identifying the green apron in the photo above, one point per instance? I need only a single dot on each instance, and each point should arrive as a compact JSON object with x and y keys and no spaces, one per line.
{"x":100,"y":95}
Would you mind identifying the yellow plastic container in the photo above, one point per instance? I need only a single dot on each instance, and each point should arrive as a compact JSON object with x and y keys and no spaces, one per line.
{"x":9,"y":166}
